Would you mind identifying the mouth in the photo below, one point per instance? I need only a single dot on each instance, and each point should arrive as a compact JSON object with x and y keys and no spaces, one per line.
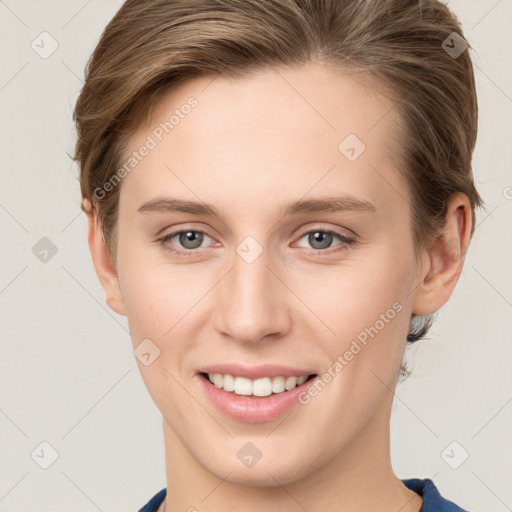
{"x":255,"y":394}
{"x":256,"y":388}
{"x":260,"y":395}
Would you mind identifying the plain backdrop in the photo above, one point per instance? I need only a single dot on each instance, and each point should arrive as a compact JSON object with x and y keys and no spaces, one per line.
{"x":68,"y":376}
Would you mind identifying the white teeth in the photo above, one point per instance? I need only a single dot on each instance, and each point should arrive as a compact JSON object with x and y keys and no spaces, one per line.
{"x":291,"y":382}
{"x":217,"y":379}
{"x":228,"y":383}
{"x":258,"y":387}
{"x":278,"y":384}
{"x":262,"y":387}
{"x":243,"y":386}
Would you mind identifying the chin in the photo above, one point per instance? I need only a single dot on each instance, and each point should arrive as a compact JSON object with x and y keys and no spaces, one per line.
{"x":270,"y":473}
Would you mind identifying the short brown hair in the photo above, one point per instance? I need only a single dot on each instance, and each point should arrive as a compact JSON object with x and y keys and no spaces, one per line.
{"x":151,"y":45}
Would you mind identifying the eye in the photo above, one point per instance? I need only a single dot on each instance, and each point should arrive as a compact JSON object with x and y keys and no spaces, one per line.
{"x":189,"y":239}
{"x":188,"y":242}
{"x":321,"y":239}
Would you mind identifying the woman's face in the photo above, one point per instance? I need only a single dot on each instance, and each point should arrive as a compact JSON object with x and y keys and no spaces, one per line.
{"x":269,"y":282}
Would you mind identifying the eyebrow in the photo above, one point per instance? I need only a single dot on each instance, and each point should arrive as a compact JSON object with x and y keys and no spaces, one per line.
{"x":301,"y":207}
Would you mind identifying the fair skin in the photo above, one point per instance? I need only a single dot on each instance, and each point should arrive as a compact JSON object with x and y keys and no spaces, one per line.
{"x":250,"y":147}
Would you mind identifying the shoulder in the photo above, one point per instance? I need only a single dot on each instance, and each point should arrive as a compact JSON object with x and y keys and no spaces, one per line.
{"x":153,"y":504}
{"x":432,"y":500}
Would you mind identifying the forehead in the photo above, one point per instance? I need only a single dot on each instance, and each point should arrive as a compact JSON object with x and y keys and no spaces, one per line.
{"x":300,"y":130}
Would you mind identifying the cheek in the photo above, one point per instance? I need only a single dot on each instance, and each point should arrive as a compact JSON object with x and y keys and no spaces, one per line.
{"x":156,"y":292}
{"x":156,"y":306}
{"x":154,"y":303}
{"x":365,"y":308}
{"x":352,"y":298}
{"x":143,"y":302}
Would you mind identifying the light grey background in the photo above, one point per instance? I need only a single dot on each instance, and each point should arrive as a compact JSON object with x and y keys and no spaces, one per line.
{"x":67,"y":372}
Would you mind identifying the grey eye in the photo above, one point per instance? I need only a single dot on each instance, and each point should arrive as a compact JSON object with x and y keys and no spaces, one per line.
{"x":190,"y":239}
{"x":319,"y":239}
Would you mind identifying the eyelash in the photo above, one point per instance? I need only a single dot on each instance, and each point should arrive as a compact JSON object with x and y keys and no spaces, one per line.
{"x":346,"y":241}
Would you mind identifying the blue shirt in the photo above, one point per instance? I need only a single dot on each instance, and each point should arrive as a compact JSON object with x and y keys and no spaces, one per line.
{"x":432,"y":500}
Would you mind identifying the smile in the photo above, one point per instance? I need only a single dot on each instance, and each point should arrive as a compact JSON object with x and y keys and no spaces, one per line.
{"x":254,"y":394}
{"x":261,"y":387}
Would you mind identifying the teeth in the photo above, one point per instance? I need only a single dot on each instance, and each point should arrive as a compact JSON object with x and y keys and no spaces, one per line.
{"x":291,"y":382}
{"x":217,"y":379}
{"x":278,"y":384}
{"x":261,"y":387}
{"x":242,"y":386}
{"x":258,"y":387}
{"x":227,"y":382}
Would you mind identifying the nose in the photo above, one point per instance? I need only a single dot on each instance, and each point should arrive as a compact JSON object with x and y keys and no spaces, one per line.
{"x":252,"y":302}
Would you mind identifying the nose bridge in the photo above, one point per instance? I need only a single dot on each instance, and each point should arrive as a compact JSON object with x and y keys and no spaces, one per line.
{"x":251,"y":297}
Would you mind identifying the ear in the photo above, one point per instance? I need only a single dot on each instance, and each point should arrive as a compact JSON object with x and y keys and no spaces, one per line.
{"x":102,"y":261}
{"x":443,"y":263}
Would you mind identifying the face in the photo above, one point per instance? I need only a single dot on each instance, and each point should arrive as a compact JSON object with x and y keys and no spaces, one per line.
{"x":297,"y":260}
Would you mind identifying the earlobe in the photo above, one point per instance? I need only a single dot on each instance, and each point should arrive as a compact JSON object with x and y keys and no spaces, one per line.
{"x":445,"y":259}
{"x":102,"y":261}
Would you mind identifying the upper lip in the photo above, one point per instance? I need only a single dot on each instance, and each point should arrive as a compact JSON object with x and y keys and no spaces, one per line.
{"x":255,"y":372}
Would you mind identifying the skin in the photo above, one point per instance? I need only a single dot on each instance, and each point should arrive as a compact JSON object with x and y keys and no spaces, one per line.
{"x":249,"y":147}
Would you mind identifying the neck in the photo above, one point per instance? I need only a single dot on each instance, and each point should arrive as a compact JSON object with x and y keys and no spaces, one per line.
{"x":360,"y":477}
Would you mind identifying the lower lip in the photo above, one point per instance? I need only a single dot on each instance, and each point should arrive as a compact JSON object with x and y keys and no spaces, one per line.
{"x":254,"y":410}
